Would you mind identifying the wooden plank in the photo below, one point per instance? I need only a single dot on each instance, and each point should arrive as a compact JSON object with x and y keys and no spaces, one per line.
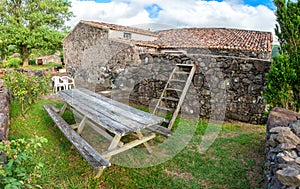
{"x":84,"y":148}
{"x":125,"y":107}
{"x":171,"y":99}
{"x":81,"y":125}
{"x":101,"y":107}
{"x":160,"y":130}
{"x":109,"y":117}
{"x":63,"y":109}
{"x":178,"y":80}
{"x":164,"y":108}
{"x":140,"y":137}
{"x":185,"y":65}
{"x":181,"y":72}
{"x":104,"y":121}
{"x":93,"y":126}
{"x":128,"y":146}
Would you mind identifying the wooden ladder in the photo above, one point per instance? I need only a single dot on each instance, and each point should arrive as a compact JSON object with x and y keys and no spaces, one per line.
{"x":179,"y":82}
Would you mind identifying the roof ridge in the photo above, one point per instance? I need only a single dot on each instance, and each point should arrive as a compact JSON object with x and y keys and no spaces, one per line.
{"x":119,"y":27}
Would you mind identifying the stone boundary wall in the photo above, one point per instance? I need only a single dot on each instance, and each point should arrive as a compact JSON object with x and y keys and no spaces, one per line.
{"x":4,"y":112}
{"x":282,"y":168}
{"x":234,"y":82}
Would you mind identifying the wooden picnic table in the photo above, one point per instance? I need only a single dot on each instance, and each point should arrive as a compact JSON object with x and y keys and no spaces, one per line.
{"x":110,"y":118}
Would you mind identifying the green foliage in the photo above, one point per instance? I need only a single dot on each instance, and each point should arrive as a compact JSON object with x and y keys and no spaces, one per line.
{"x":32,"y":62}
{"x":26,"y":89}
{"x":33,"y":25}
{"x":280,"y":81}
{"x":283,"y":88}
{"x":13,"y":63}
{"x":44,"y":66}
{"x":20,"y":171}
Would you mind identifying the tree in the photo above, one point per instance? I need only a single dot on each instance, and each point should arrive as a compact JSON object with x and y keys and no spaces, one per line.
{"x":33,"y":25}
{"x":283,"y":88}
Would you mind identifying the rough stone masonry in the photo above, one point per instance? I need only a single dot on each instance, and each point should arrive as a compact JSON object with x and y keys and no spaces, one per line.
{"x":221,"y":84}
{"x":4,"y":112}
{"x":282,"y":168}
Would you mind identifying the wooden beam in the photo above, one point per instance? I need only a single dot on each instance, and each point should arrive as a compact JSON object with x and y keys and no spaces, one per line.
{"x":96,"y":128}
{"x":127,"y":146}
{"x":140,"y":136}
{"x":81,"y":125}
{"x":63,"y":109}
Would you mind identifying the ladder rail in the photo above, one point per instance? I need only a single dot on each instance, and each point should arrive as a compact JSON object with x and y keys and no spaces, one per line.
{"x":164,"y":90}
{"x":182,"y":97}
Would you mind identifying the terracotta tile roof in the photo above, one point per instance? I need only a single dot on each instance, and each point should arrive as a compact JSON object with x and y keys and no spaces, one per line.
{"x":216,"y":38}
{"x":119,"y":28}
{"x":212,"y":38}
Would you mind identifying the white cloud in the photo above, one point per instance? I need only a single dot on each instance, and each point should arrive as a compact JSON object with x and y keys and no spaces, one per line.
{"x":177,"y":13}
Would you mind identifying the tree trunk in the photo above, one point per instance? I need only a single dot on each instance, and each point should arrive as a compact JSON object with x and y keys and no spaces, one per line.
{"x":25,"y":56}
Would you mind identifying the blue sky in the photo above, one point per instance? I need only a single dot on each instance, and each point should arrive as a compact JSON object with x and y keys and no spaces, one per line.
{"x":267,"y":3}
{"x":154,"y":14}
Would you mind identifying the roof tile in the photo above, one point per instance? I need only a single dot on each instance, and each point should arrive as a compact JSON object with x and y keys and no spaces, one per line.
{"x":212,"y":38}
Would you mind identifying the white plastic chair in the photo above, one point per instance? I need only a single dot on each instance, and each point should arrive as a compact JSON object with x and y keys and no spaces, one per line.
{"x":58,"y":84}
{"x":68,"y":82}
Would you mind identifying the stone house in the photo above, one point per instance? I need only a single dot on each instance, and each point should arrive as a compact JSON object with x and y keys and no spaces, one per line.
{"x":136,"y":63}
{"x":48,"y":59}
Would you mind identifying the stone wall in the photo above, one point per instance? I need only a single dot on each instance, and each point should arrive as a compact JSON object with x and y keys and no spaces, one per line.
{"x":230,"y":84}
{"x":93,"y":59}
{"x":4,"y":112}
{"x":282,"y":168}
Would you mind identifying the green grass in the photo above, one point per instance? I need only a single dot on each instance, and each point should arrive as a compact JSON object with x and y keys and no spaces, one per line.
{"x":234,"y":160}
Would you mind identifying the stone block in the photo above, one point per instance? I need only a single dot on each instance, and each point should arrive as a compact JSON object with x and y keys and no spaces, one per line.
{"x":295,"y":126}
{"x":289,"y":176}
{"x":288,"y":137}
{"x":280,"y":117}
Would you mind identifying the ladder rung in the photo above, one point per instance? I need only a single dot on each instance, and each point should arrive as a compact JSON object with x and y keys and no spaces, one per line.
{"x":182,"y":72}
{"x":164,"y":108}
{"x":170,"y":98}
{"x":171,"y":89}
{"x":178,"y":80}
{"x":185,"y":65}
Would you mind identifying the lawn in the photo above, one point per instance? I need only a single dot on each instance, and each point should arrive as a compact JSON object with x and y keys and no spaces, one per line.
{"x":235,"y":160}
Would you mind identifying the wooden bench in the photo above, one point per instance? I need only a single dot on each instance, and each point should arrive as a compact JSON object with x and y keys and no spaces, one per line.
{"x":84,"y":148}
{"x":160,"y":130}
{"x":110,"y":119}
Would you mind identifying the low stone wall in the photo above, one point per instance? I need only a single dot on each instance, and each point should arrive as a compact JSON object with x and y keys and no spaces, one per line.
{"x":282,"y":168}
{"x":4,"y":112}
{"x":221,"y":84}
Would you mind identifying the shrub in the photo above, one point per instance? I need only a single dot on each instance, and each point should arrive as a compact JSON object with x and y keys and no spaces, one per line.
{"x":26,"y":89}
{"x":21,"y":170}
{"x":13,"y":63}
{"x":280,"y":82}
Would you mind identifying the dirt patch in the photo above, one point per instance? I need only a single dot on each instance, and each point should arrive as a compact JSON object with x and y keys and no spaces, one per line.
{"x":177,"y":174}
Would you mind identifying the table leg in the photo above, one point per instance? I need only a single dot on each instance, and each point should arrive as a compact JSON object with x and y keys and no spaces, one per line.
{"x":81,"y":125}
{"x":63,"y":109}
{"x":114,"y":143}
{"x":140,"y":136}
{"x":112,"y":146}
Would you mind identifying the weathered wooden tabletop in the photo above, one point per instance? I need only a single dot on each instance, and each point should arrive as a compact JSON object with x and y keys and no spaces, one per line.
{"x":112,"y":115}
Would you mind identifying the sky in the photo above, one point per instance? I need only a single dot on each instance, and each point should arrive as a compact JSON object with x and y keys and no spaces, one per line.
{"x":165,"y":14}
